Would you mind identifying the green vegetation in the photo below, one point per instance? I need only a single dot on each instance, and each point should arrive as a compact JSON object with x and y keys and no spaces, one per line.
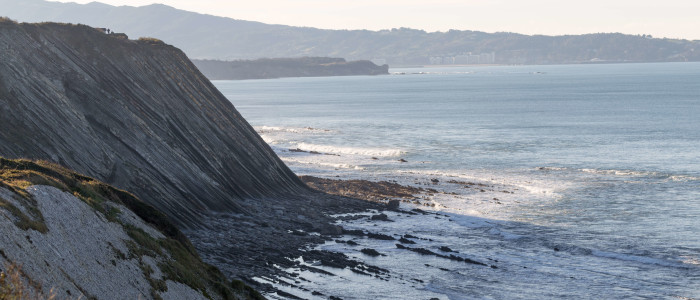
{"x":7,"y":20}
{"x":151,"y":41}
{"x":181,"y":262}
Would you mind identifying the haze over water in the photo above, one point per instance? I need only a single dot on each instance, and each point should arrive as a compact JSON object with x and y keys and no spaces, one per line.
{"x":579,"y":180}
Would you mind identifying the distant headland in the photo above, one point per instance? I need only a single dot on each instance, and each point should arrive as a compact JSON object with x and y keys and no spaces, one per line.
{"x":287,"y":67}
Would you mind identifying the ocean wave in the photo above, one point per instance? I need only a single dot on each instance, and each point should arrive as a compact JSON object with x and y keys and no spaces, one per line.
{"x":277,"y":129}
{"x":632,"y":173}
{"x":525,"y":184}
{"x":628,"y":173}
{"x":639,"y":259}
{"x":375,"y":152}
{"x":683,"y":178}
{"x":322,"y":164}
{"x":551,"y":168}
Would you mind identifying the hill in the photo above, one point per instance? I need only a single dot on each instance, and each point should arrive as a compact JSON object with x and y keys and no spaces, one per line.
{"x":209,"y":37}
{"x":286,"y":67}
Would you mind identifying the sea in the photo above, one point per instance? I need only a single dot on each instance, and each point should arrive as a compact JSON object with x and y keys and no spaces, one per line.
{"x":565,"y":181}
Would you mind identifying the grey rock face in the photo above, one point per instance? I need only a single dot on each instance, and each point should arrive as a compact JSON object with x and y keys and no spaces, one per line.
{"x":77,"y":257}
{"x":135,"y":114}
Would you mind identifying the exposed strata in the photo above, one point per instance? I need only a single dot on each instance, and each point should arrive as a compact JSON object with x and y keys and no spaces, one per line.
{"x":136,"y":114}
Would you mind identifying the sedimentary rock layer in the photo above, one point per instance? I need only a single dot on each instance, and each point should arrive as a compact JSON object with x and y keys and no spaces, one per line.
{"x":136,"y":114}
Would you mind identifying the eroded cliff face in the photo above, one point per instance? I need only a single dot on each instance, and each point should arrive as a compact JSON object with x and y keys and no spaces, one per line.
{"x":75,"y":237}
{"x":135,"y":114}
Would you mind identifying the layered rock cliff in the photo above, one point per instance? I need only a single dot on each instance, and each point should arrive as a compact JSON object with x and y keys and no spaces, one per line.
{"x":136,"y":114}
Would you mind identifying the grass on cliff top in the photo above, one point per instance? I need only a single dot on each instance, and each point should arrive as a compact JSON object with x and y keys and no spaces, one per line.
{"x":184,"y":264}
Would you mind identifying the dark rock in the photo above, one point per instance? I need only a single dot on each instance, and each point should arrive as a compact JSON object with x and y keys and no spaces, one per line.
{"x":288,"y":295}
{"x":370,"y":252}
{"x":434,"y":180}
{"x":355,"y":232}
{"x":446,"y":249}
{"x":424,"y":251}
{"x":406,"y":241}
{"x":403,"y":160}
{"x":379,"y":236}
{"x":352,"y":243}
{"x":330,"y":229}
{"x":380,"y":217}
{"x":393,"y":205}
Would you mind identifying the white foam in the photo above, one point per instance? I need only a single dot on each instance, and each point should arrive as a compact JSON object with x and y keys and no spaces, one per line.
{"x":376,"y":152}
{"x":637,"y":258}
{"x":270,"y":129}
{"x":526,"y":184}
{"x":627,"y":173}
{"x":322,"y":164}
{"x":683,"y":178}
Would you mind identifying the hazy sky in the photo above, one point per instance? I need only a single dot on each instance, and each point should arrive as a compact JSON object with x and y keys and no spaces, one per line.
{"x":669,"y":18}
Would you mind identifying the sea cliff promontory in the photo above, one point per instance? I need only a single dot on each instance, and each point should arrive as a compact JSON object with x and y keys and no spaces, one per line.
{"x":137,"y":114}
{"x":287,"y":67}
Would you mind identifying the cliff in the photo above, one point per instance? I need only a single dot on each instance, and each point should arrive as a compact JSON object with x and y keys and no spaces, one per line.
{"x":287,"y":67}
{"x":69,"y":236}
{"x":136,"y":114}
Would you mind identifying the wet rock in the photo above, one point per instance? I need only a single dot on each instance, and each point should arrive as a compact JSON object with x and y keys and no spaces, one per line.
{"x":330,"y":229}
{"x":370,"y":252}
{"x":355,"y":232}
{"x":379,"y":236}
{"x":424,"y":251}
{"x":380,"y":217}
{"x":402,"y":160}
{"x":393,"y":205}
{"x":352,"y":243}
{"x":446,"y":249}
{"x":434,"y":180}
{"x":406,"y":241}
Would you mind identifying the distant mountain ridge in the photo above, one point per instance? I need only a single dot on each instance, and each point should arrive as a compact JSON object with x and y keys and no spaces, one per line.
{"x":209,"y":37}
{"x":287,"y":67}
